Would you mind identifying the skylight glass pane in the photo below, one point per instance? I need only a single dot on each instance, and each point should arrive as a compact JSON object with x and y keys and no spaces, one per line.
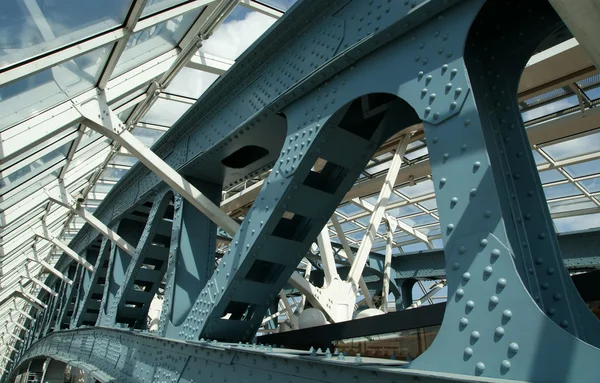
{"x":350,"y":209}
{"x":154,"y":41}
{"x":403,"y":211}
{"x":154,"y":6}
{"x":113,"y":174}
{"x":574,"y":204}
{"x":147,"y":136}
{"x":237,"y":32}
{"x":591,"y":185}
{"x":551,"y":108}
{"x":584,"y":169}
{"x":191,"y":82}
{"x":32,"y":164}
{"x":422,"y":188}
{"x":430,"y":204}
{"x":120,"y":159}
{"x":560,"y":191}
{"x":581,"y":222}
{"x":282,"y":5}
{"x":419,"y":220}
{"x":39,"y":91}
{"x":32,"y":27}
{"x":551,"y":176}
{"x":420,"y":246}
{"x":575,"y":147}
{"x":165,"y":112}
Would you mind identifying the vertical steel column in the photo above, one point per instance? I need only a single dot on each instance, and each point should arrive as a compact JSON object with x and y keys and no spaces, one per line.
{"x":191,"y":258}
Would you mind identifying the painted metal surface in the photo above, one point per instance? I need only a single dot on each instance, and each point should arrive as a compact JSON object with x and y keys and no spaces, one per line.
{"x":513,"y":312}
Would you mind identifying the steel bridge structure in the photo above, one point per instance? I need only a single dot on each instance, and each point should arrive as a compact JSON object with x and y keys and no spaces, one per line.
{"x":355,"y":150}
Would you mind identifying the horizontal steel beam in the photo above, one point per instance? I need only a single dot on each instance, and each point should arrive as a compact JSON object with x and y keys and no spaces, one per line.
{"x":93,"y":350}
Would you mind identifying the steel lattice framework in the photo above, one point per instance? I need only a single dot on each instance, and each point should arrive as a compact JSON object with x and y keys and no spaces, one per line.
{"x":356,"y":149}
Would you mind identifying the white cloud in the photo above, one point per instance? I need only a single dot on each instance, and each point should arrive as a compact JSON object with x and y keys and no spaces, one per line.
{"x":232,"y":38}
{"x":191,"y":82}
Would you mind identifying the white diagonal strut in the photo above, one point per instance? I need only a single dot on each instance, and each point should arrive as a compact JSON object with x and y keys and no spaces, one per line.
{"x":50,"y":268}
{"x":67,"y":250}
{"x":346,"y":246}
{"x":63,"y":198}
{"x":99,"y":117}
{"x":327,"y":259}
{"x":387,"y":267}
{"x":378,"y":212}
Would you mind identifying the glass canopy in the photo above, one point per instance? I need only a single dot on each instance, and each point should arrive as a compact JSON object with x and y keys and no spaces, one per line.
{"x":54,"y":52}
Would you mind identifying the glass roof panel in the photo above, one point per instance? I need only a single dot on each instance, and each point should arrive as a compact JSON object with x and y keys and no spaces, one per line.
{"x":154,"y":41}
{"x":551,"y":176}
{"x":349,"y":209}
{"x":237,"y":32}
{"x":403,"y":211}
{"x":560,"y":191}
{"x":113,"y":174}
{"x":154,"y":6}
{"x":422,"y":188}
{"x":419,"y":220}
{"x":575,"y":147}
{"x":282,"y":5}
{"x":570,"y":205}
{"x":39,"y":91}
{"x":121,"y":159}
{"x":591,"y":185}
{"x":551,"y":108}
{"x":584,"y":169}
{"x":191,"y":83}
{"x":165,"y":112}
{"x":147,"y":136}
{"x":32,"y":27}
{"x":27,"y":168}
{"x":575,"y":223}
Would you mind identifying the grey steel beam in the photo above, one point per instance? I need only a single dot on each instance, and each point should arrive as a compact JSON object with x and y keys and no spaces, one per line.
{"x":91,"y":350}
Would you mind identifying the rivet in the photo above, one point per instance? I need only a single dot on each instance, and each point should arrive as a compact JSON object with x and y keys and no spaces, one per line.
{"x":544,"y":286}
{"x":456,"y":265}
{"x":453,"y":201}
{"x":468,"y":351}
{"x":495,"y":253}
{"x":564,"y":324}
{"x":514,"y":347}
{"x":507,"y":314}
{"x":557,"y":296}
{"x":436,"y":116}
{"x":476,"y":166}
{"x":506,"y":364}
{"x":473,"y":192}
{"x":502,"y":283}
{"x":460,"y":293}
{"x":494,"y":300}
{"x":442,"y":182}
{"x":470,"y":304}
{"x":464,"y":321}
{"x":475,"y":335}
{"x":483,"y":242}
{"x":466,"y":276}
{"x":488,"y":270}
{"x":462,"y":249}
{"x":499,"y":331}
{"x":450,"y":227}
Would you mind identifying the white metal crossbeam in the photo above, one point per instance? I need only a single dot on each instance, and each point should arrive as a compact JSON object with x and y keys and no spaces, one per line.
{"x":67,"y":250}
{"x":63,"y":198}
{"x":101,"y":118}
